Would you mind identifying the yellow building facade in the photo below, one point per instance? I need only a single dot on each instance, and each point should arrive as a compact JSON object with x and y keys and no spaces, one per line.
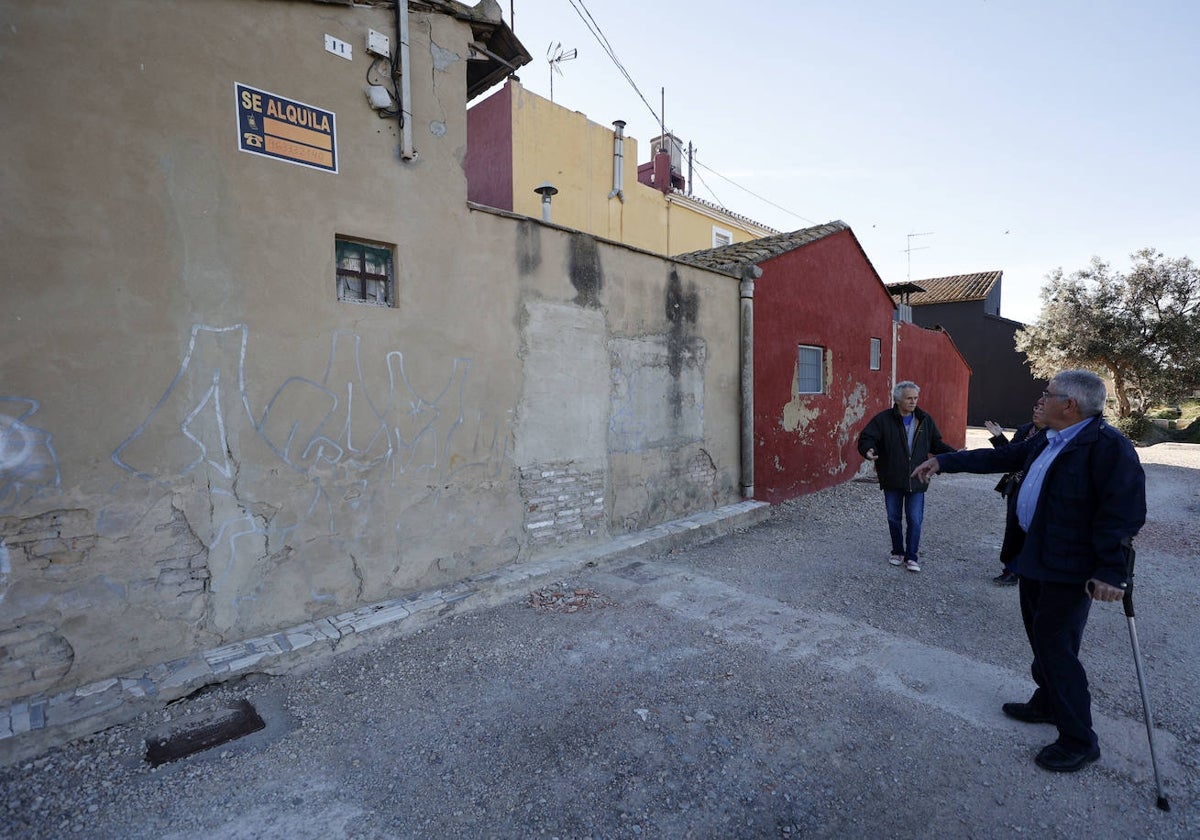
{"x":519,"y":141}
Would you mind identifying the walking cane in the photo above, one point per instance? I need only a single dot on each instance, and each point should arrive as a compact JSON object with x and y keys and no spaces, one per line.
{"x":1127,"y":601}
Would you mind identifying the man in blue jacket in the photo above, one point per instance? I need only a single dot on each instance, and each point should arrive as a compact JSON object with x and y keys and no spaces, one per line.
{"x":897,"y":439}
{"x":1081,"y":503}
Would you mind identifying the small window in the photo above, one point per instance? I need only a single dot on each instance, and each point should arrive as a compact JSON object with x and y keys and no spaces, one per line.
{"x":364,"y":273}
{"x":721,"y":237}
{"x":876,"y":353}
{"x":811,"y":371}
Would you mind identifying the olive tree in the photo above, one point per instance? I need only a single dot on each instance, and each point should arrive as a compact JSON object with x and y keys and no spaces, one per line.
{"x":1141,"y":330}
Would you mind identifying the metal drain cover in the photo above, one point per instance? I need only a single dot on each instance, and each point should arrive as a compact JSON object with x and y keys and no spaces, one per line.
{"x":201,"y":731}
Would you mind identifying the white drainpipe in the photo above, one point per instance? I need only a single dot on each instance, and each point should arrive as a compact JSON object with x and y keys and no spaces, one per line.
{"x":406,"y":133}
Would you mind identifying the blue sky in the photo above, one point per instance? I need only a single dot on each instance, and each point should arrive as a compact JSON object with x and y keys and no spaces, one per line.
{"x":1020,"y":136}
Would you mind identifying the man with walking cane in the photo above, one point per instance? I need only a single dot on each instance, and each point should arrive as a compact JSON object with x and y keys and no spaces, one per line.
{"x":1083,"y":499}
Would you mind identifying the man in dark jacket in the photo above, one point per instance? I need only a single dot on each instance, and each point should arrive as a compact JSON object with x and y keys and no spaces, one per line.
{"x":897,"y":440}
{"x":1081,"y":503}
{"x":1010,"y":484}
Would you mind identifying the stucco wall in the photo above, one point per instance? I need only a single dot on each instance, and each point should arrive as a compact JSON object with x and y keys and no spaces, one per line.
{"x":201,"y":443}
{"x":824,"y":294}
{"x":490,"y":165}
{"x":929,"y":358}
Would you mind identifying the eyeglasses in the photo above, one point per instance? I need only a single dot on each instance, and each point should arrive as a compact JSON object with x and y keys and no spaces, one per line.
{"x":1048,"y":394}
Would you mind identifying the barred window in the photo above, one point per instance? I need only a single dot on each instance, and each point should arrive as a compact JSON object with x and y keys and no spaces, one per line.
{"x":364,"y":273}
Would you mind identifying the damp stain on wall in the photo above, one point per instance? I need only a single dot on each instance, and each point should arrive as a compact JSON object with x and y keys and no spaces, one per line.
{"x":587,"y":275}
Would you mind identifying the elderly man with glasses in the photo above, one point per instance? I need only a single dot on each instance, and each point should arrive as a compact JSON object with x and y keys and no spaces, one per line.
{"x":1081,"y":503}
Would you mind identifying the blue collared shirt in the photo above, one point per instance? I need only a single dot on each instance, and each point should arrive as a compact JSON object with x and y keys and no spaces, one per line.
{"x":1031,"y":487}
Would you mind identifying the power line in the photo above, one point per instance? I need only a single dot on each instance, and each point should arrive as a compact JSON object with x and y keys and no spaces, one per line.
{"x":751,"y":192}
{"x":593,"y":26}
{"x":711,"y":191}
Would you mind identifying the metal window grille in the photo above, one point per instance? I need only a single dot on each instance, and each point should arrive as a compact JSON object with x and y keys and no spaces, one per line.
{"x":364,"y":273}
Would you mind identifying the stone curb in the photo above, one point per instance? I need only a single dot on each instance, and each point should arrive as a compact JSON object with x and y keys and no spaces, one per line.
{"x":30,"y":727}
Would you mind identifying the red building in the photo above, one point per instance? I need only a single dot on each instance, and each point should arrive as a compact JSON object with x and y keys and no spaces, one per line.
{"x":930,"y":358}
{"x":827,"y":351}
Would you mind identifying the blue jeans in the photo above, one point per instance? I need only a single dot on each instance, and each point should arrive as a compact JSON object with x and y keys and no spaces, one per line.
{"x":910,"y":506}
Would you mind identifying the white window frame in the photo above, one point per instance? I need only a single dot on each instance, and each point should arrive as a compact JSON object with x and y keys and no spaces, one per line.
{"x":804,"y":367}
{"x":876,"y":353}
{"x":721,"y":237}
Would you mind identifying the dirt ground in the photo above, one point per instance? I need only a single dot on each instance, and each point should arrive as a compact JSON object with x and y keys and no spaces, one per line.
{"x":784,"y":681}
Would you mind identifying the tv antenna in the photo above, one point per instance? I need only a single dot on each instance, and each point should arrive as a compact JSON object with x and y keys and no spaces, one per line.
{"x":909,"y":249}
{"x":555,"y":56}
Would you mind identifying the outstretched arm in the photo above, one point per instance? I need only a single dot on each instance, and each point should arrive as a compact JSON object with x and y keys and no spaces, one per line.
{"x":926,"y":470}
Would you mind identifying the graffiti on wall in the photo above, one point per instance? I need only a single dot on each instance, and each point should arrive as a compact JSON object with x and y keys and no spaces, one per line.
{"x":350,"y":435}
{"x":331,"y":428}
{"x":28,"y":464}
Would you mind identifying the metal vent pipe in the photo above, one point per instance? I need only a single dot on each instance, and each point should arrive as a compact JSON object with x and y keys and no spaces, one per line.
{"x":618,"y":159}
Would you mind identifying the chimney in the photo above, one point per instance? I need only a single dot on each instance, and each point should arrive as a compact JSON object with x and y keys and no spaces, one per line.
{"x":546,"y":190}
{"x":662,"y":170}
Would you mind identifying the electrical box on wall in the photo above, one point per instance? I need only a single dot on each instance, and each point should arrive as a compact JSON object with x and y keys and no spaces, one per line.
{"x":379,"y":44}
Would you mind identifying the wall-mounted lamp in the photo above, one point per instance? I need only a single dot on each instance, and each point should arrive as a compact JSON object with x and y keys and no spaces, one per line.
{"x":545,"y":191}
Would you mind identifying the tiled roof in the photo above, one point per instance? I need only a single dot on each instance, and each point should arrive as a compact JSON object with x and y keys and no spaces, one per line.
{"x":956,"y":289}
{"x":731,"y":257}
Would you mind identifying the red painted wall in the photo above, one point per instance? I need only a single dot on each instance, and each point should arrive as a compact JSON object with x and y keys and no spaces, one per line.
{"x":827,"y":294}
{"x":489,"y":159}
{"x":929,"y":358}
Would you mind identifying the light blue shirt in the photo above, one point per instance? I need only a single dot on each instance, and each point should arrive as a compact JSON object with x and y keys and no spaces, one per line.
{"x":1031,"y":487}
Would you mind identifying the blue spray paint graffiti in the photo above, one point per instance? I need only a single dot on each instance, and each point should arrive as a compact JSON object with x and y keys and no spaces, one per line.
{"x":28,"y":464}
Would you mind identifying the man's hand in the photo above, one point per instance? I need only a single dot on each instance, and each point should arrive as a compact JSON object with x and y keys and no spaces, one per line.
{"x":1101,"y":591}
{"x":994,"y":428}
{"x":871,"y":456}
{"x":926,"y":470}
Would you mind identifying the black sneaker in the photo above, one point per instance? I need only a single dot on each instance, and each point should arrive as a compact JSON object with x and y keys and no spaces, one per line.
{"x":1027,"y":713}
{"x":1005,"y":578}
{"x":1059,"y":759}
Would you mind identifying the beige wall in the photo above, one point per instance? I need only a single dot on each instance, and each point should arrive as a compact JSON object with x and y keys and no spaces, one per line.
{"x":553,"y":143}
{"x":199,"y":442}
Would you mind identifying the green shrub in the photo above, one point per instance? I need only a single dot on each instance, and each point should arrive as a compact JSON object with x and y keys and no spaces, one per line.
{"x":1134,"y":427}
{"x":1191,"y":434}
